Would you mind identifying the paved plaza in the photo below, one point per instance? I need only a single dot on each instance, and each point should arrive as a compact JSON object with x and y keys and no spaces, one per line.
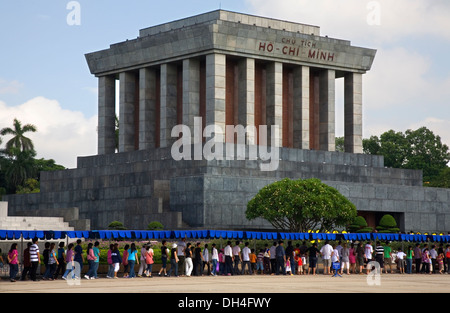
{"x":256,"y":284}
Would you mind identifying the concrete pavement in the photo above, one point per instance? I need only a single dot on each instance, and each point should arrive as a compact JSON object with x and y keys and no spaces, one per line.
{"x":388,"y":283}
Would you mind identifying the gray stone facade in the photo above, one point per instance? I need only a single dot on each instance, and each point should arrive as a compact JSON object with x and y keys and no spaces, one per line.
{"x":142,"y":186}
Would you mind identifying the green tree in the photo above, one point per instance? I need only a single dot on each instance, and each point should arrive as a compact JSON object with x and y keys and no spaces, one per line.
{"x":301,"y":205}
{"x":442,"y":180}
{"x":392,"y":145}
{"x":19,"y":140}
{"x":426,"y":152}
{"x":340,"y":147}
{"x":371,"y":145}
{"x":44,"y":165}
{"x":417,"y":149}
{"x":19,"y":167}
{"x":31,"y":185}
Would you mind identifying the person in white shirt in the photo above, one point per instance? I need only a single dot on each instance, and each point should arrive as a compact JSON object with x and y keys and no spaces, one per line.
{"x":246,"y":259}
{"x":237,"y":258}
{"x":228,"y":253}
{"x":401,"y":260}
{"x":368,"y":251}
{"x":335,"y":257}
{"x":214,"y":259}
{"x":206,"y":259}
{"x":326,"y":257}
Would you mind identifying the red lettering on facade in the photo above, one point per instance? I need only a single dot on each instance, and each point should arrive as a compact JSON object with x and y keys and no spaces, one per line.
{"x":262,"y":46}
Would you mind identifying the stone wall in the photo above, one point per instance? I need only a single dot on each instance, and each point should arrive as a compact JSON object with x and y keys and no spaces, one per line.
{"x":225,"y":199}
{"x":144,"y":186}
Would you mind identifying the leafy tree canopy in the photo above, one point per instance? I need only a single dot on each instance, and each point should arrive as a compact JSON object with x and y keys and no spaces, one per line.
{"x":19,"y":140}
{"x":301,"y":205}
{"x":19,"y":170}
{"x":414,"y":149}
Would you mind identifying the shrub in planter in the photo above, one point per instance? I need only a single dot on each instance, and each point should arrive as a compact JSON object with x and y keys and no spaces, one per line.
{"x":388,"y":224}
{"x":116,"y":225}
{"x":359,"y":225}
{"x":155,"y":226}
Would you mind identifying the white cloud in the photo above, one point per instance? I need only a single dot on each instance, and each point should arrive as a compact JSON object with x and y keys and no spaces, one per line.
{"x":357,"y":19}
{"x":398,"y":78}
{"x":9,"y":87}
{"x":61,"y":134}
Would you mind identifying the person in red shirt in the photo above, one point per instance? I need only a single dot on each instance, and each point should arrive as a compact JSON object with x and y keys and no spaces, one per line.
{"x":26,"y":262}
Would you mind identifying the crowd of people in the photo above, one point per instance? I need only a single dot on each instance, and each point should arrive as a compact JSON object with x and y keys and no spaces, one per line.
{"x":188,"y":260}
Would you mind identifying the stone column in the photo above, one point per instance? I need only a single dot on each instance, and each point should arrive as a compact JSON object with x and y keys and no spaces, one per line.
{"x":127,"y":121}
{"x":191,"y":92}
{"x":147,"y":106}
{"x":168,"y":104}
{"x":106,"y":114}
{"x":353,"y":113}
{"x":274,"y":101}
{"x":215,"y":90}
{"x":301,"y":107}
{"x":246,"y":97}
{"x":327,"y":110}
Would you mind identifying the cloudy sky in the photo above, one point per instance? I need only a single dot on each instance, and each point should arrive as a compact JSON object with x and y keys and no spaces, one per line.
{"x":45,"y":81}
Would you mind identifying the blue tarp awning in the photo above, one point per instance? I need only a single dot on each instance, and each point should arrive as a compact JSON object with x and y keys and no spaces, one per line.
{"x":214,"y":234}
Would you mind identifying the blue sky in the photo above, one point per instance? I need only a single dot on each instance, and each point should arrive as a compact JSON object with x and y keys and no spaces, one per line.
{"x":44,"y":78}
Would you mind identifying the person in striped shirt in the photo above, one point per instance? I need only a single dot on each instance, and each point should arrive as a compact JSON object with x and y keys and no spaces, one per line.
{"x":379,"y":255}
{"x":35,"y":258}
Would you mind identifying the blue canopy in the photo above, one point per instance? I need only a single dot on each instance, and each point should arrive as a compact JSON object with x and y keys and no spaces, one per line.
{"x":213,"y":234}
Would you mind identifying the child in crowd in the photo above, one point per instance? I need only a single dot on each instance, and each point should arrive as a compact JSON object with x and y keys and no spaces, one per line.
{"x":401,"y":261}
{"x":288,"y":267}
{"x":440,"y":262}
{"x":260,"y":263}
{"x":300,"y":264}
{"x":253,"y":260}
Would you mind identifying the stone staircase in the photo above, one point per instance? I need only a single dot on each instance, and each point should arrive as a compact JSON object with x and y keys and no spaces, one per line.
{"x":30,"y":222}
{"x":33,"y":223}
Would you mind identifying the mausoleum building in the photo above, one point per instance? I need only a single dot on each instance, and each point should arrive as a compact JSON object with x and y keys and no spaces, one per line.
{"x":222,"y":69}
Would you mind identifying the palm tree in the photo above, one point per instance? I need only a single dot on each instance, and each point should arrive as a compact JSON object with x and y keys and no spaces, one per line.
{"x":19,"y":140}
{"x":20,"y":167}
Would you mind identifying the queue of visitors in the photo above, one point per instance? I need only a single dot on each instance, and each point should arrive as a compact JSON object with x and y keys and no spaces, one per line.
{"x":187,"y":260}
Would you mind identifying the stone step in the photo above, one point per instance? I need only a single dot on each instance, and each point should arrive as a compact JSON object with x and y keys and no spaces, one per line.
{"x":33,"y":223}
